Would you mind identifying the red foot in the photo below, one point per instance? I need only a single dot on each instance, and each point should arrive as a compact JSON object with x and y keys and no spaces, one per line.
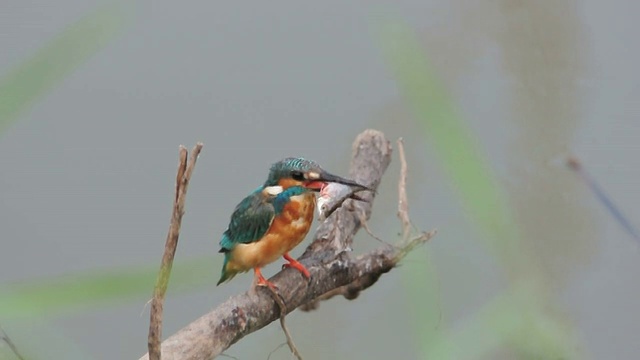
{"x":293,"y":263}
{"x":261,"y":281}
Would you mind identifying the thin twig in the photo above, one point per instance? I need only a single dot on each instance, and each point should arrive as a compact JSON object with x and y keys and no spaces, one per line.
{"x":283,"y":313}
{"x":229,"y":356}
{"x":403,"y":203}
{"x":403,"y":211}
{"x":365,"y":226}
{"x":276,"y":349}
{"x":574,"y":164}
{"x":10,"y":343}
{"x":411,"y":244}
{"x":144,"y":307}
{"x":182,"y":182}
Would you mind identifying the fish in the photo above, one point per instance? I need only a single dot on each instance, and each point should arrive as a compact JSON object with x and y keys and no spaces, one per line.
{"x":332,"y":196}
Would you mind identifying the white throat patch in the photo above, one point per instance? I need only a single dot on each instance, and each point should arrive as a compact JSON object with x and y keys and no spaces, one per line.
{"x":273,"y":190}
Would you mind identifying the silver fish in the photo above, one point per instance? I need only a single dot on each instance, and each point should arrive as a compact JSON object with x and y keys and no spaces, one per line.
{"x":332,"y":196}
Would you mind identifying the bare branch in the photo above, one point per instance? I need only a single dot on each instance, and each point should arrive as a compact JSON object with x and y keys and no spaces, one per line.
{"x":351,"y":291}
{"x":334,"y":270}
{"x":182,"y":182}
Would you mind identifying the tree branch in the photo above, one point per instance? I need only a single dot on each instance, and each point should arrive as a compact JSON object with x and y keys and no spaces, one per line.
{"x":333,"y":268}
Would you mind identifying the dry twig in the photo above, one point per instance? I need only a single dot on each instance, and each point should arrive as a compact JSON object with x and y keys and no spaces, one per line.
{"x":403,"y":211}
{"x":182,"y":182}
{"x":276,"y":349}
{"x":283,"y":313}
{"x":403,"y":203}
{"x":365,"y":226}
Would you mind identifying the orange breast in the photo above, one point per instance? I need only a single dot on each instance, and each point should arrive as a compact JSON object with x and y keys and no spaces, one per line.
{"x":287,"y":231}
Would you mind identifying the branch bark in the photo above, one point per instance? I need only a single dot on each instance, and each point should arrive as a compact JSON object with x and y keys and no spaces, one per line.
{"x":334,"y":271}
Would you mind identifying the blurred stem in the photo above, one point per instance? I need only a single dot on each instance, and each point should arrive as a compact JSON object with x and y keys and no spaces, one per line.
{"x":30,"y":80}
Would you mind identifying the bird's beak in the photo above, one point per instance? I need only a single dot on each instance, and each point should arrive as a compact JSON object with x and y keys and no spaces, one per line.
{"x":317,"y":180}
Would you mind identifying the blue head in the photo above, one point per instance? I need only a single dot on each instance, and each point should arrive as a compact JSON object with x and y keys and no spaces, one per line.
{"x":305,"y":173}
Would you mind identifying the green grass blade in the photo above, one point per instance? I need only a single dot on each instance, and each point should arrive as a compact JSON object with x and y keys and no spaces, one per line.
{"x":81,"y":292}
{"x":459,"y":153}
{"x":501,"y":323}
{"x":31,"y":79}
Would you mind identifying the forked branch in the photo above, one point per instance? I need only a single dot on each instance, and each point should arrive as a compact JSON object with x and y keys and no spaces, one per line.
{"x":334,"y":270}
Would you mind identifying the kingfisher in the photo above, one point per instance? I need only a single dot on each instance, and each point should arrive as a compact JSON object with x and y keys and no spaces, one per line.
{"x":274,"y":219}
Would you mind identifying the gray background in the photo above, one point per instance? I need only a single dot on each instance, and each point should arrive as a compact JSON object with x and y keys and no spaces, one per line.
{"x":87,"y":173}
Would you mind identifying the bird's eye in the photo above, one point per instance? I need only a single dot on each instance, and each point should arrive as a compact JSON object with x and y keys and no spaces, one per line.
{"x":297,"y":175}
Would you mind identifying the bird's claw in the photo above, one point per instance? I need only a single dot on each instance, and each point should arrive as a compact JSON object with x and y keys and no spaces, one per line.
{"x":303,"y":271}
{"x":266,"y":283}
{"x":293,"y":263}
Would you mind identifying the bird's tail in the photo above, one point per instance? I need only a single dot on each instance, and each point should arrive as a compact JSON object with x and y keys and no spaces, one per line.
{"x":227,"y":274}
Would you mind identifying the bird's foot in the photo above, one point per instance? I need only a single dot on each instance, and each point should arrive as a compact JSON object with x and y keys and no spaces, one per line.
{"x":261,"y":281}
{"x":293,"y":263}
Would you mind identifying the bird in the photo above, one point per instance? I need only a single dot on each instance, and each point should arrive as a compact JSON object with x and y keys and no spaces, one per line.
{"x":274,"y":219}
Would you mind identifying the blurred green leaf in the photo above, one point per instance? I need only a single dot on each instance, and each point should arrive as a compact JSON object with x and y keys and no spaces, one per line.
{"x":512,"y":320}
{"x":422,"y":286}
{"x":79,"y":292}
{"x":517,"y":320}
{"x":30,"y":80}
{"x":459,"y":153}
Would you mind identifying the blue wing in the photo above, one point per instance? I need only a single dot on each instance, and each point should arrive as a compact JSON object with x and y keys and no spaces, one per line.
{"x":249,"y":222}
{"x":253,"y":216}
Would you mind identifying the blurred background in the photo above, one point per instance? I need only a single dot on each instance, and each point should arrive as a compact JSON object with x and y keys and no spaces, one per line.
{"x":490,"y":98}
